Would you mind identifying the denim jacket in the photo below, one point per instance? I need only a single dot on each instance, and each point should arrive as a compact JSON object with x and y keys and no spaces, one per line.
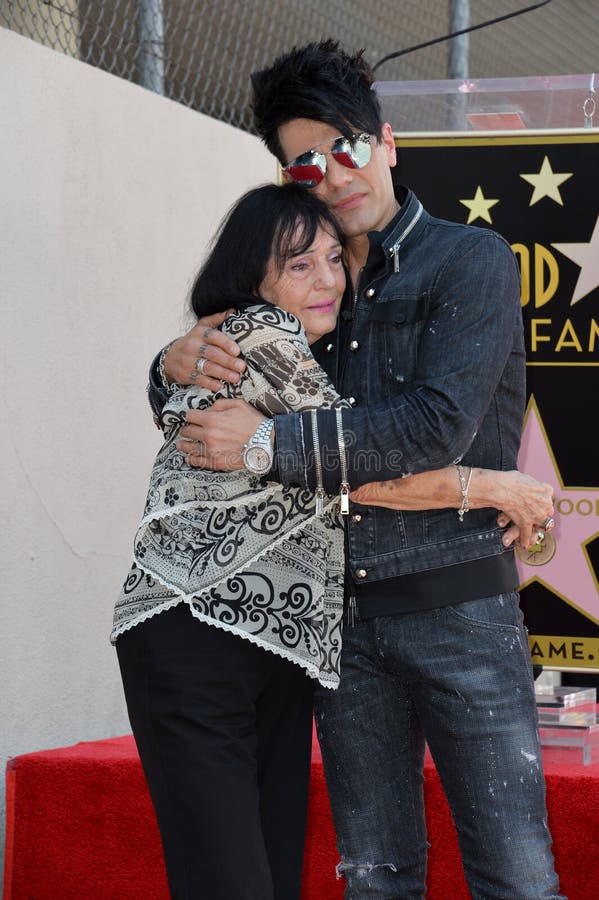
{"x":430,"y":354}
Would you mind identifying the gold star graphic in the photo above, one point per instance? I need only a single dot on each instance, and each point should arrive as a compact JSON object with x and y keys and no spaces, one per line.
{"x":479,"y":207}
{"x":546,"y":183}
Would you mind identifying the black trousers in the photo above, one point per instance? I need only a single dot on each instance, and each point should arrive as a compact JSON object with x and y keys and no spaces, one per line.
{"x":223,"y":730}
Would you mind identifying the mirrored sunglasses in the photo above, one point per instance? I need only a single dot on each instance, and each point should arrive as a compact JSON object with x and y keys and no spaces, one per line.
{"x":309,"y":168}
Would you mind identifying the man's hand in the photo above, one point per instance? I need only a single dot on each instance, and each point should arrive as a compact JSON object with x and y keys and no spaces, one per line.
{"x":204,"y":342}
{"x":214,"y":438}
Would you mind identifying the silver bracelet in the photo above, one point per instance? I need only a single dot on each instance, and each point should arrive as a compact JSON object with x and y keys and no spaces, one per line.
{"x":464,"y":485}
{"x":161,"y":373}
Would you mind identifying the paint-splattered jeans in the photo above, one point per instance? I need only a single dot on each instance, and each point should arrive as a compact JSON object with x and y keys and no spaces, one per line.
{"x":458,"y":677}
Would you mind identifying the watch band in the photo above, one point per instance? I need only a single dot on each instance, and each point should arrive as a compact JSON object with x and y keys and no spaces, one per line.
{"x":263,"y":432}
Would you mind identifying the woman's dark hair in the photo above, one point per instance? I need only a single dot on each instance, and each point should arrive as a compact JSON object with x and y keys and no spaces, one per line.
{"x":319,"y":81}
{"x":270,"y":220}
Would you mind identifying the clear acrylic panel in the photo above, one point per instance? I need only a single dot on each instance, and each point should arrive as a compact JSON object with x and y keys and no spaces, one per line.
{"x":553,"y":102}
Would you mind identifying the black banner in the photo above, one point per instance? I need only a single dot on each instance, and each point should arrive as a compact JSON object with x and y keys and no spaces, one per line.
{"x":540,"y":191}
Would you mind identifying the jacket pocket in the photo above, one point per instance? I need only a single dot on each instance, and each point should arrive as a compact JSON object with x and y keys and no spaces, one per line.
{"x":396,"y":326}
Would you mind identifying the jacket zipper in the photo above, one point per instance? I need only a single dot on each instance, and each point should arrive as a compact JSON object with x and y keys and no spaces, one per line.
{"x":344,"y":487}
{"x":318,"y":464}
{"x":350,"y":617}
{"x":394,"y":251}
{"x":344,"y":491}
{"x":356,"y":293}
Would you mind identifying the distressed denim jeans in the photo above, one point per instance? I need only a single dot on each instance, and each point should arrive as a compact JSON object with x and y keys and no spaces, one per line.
{"x":460,"y":678}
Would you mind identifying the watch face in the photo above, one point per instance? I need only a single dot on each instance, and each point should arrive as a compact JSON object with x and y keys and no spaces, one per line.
{"x":257,"y":459}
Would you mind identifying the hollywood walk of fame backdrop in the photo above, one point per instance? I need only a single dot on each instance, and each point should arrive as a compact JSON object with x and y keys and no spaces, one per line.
{"x":539,"y":190}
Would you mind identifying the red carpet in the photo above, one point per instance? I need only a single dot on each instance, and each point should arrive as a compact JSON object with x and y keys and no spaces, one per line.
{"x":80,"y":826}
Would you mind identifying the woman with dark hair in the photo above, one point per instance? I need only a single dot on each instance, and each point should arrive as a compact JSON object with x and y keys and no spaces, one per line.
{"x":237,"y":566}
{"x":236,"y":590}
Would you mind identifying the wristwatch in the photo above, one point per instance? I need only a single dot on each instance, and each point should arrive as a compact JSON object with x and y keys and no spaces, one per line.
{"x":258,"y":454}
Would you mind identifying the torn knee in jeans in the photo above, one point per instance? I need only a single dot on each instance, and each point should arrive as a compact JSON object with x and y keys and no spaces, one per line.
{"x":361,"y":869}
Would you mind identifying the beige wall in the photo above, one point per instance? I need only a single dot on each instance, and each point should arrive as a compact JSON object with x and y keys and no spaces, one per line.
{"x":109,"y":194}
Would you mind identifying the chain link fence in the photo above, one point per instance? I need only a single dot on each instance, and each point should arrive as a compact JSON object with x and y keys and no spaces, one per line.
{"x":201,"y":54}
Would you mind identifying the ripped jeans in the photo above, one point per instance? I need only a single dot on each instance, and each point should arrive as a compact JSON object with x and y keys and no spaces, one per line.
{"x":460,"y":678}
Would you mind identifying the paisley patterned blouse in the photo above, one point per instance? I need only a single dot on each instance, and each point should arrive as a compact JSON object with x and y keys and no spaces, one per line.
{"x":245,"y":554}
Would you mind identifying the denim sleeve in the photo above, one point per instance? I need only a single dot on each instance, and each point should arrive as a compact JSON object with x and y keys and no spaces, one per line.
{"x":471,"y":342}
{"x":157,"y":395}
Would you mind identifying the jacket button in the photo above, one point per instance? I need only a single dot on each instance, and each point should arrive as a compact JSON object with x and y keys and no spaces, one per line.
{"x":329,"y":348}
{"x":361,"y":573}
{"x":356,"y":518}
{"x":351,"y":400}
{"x":354,"y":345}
{"x":370,"y":293}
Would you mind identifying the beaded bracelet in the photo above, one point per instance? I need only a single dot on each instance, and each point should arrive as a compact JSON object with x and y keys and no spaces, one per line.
{"x":464,"y":485}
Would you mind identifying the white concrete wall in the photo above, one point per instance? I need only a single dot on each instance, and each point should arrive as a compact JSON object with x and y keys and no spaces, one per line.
{"x":109,"y":195}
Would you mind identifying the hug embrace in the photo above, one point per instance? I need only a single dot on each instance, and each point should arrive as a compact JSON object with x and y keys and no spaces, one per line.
{"x":329,"y":529}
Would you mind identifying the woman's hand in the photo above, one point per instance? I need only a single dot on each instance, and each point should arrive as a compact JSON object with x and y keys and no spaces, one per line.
{"x":204,"y":342}
{"x":525,"y":509}
{"x":524,"y":502}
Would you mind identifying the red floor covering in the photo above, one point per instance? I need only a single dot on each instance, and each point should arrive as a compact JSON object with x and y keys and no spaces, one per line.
{"x":80,"y":826}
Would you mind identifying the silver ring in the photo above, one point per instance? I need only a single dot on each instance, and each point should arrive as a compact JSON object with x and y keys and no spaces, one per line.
{"x":540,"y":537}
{"x":201,"y":365}
{"x":548,"y":523}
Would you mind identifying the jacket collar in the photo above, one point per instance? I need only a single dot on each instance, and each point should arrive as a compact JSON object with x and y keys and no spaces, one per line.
{"x":408,"y":223}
